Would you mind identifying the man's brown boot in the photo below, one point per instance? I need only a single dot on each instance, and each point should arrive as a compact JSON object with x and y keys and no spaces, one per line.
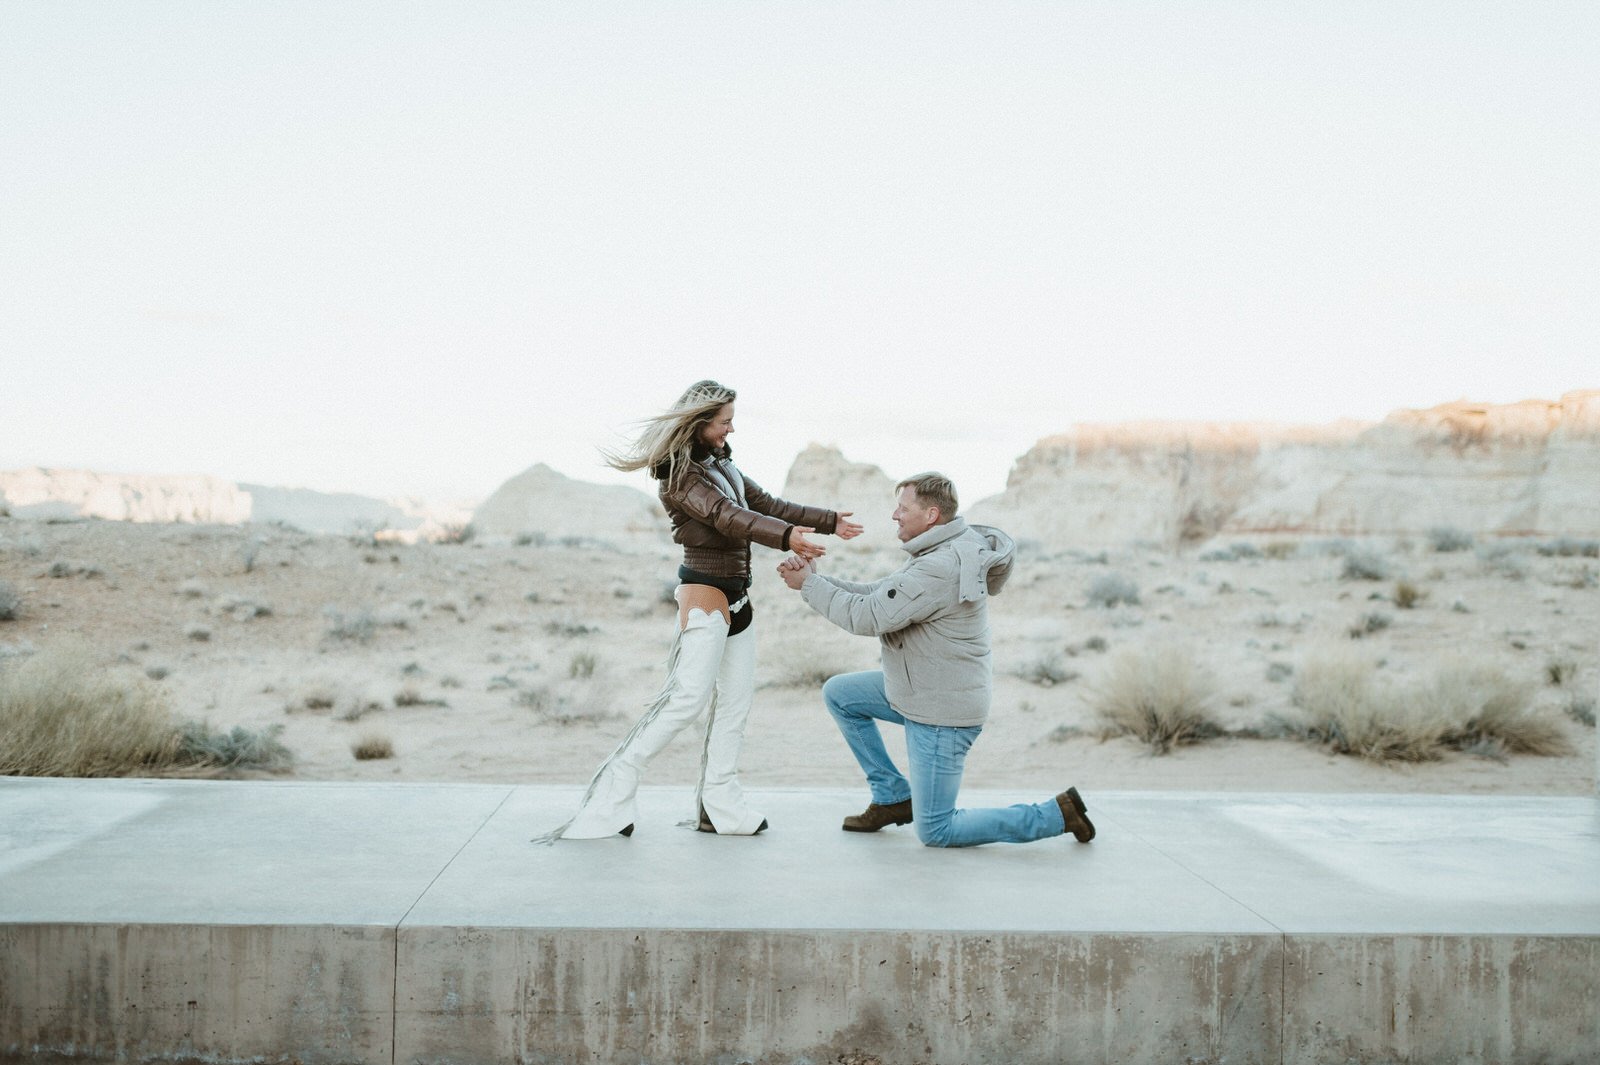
{"x":875,"y":817}
{"x":1074,"y":813}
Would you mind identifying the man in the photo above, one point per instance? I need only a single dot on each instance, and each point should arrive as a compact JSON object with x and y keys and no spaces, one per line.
{"x":931,"y":618}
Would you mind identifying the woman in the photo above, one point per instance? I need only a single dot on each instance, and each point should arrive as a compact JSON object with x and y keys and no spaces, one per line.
{"x":716,"y":512}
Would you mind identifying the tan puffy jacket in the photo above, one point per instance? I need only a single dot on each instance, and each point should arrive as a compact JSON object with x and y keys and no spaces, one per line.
{"x":716,"y":512}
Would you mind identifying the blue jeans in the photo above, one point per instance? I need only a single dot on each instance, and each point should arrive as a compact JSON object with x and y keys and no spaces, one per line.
{"x":937,"y":755}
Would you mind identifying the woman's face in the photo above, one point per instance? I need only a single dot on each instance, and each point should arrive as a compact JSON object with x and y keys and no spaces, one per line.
{"x":715,"y":432}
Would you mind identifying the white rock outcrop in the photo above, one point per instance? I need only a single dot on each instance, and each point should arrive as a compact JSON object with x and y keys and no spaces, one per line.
{"x":45,"y":494}
{"x":821,"y":476}
{"x":543,"y":501}
{"x":1530,"y":467}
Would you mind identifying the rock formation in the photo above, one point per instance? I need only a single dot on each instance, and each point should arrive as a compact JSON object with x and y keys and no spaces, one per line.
{"x":541,"y":501}
{"x":46,"y":494}
{"x":1530,"y":467}
{"x":822,"y":476}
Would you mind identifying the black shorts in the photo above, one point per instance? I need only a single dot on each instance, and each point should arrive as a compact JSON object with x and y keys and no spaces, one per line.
{"x":732,"y":587}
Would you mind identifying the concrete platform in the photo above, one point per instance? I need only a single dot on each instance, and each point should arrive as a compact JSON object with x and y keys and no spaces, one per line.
{"x":276,"y":922}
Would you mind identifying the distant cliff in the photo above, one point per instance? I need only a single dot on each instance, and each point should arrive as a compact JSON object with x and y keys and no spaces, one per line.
{"x":1530,"y":467}
{"x":53,"y":494}
{"x":47,"y":493}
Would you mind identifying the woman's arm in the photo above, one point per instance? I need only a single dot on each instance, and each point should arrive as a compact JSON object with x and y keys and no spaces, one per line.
{"x":823,"y":521}
{"x":705,"y":503}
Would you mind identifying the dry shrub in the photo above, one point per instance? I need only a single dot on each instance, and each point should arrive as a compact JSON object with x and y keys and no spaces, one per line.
{"x":1461,"y":705}
{"x":1347,"y":706}
{"x":1364,"y":565}
{"x":808,"y":664}
{"x":10,"y":601}
{"x":1559,"y":671}
{"x":1157,"y":694}
{"x":1046,"y":670}
{"x":372,"y":746}
{"x":410,"y":694}
{"x":1407,"y":595}
{"x":62,"y":716}
{"x":238,"y":748}
{"x":1484,"y":706}
{"x":317,"y":696}
{"x":1109,"y":589}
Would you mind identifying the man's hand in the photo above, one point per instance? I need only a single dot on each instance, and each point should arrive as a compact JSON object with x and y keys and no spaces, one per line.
{"x":847,"y":530}
{"x":794,"y":571}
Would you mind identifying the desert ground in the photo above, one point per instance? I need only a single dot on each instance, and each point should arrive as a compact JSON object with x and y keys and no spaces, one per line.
{"x":527,"y":662}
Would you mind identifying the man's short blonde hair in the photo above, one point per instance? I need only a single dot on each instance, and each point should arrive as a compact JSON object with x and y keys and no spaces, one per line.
{"x":934,"y":490}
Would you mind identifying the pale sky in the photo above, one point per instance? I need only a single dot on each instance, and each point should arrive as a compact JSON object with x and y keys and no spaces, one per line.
{"x":415,"y":248}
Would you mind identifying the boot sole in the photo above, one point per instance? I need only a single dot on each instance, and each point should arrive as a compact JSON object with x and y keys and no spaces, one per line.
{"x":707,"y":826}
{"x":1083,"y":814}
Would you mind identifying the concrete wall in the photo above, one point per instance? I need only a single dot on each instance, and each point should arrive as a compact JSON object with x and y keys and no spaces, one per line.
{"x":219,"y":993}
{"x":473,"y":996}
{"x":327,"y":996}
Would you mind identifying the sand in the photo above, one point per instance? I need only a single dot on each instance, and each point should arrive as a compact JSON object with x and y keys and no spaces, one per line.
{"x":528,"y":663}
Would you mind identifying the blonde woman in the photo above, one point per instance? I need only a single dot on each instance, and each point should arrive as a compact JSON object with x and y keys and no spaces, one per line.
{"x":716,"y":513}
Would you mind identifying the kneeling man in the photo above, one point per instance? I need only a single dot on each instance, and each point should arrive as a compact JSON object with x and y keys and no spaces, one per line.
{"x":931,"y":618}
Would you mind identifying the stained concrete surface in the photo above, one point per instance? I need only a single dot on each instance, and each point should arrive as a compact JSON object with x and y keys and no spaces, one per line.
{"x":350,"y":922}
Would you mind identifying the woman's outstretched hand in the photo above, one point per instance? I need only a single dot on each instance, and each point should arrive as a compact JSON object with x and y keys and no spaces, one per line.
{"x":803,"y":547}
{"x":847,"y":530}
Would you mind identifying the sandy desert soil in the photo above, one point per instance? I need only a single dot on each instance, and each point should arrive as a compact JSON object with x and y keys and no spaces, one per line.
{"x":527,"y":663}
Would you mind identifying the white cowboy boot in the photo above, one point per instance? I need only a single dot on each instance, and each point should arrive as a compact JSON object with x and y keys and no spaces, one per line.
{"x":721,"y":799}
{"x":611,"y":805}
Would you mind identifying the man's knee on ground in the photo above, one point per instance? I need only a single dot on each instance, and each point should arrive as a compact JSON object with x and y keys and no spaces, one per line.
{"x":935,"y":833}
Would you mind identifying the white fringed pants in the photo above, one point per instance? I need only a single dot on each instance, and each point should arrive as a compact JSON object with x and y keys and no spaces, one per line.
{"x":710,"y":677}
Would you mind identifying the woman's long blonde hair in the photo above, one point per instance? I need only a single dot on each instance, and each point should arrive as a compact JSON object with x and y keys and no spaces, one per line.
{"x":666,"y":442}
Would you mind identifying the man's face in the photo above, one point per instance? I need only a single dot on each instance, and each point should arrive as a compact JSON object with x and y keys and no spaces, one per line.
{"x":911,"y":516}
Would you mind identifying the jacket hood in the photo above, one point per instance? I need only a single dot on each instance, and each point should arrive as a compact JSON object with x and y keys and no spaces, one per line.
{"x":983,"y":555}
{"x":991,"y":561}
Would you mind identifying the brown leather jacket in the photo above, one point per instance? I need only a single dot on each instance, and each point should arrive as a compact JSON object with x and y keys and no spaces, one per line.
{"x":716,"y":512}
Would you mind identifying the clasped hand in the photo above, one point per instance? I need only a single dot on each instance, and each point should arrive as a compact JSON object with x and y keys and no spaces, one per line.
{"x":794,"y":570}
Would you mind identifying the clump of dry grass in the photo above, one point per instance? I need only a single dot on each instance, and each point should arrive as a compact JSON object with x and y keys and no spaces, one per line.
{"x":62,"y":715}
{"x":316,"y":696}
{"x":1461,"y":705}
{"x":238,"y":748}
{"x":1364,"y":565}
{"x":1158,"y":694}
{"x":1046,"y":670}
{"x":1407,"y":595}
{"x":1109,"y":589}
{"x":410,"y":694}
{"x":371,"y":747}
{"x":808,"y":664}
{"x":1348,"y":707}
{"x":1560,"y":670}
{"x":1369,"y":623}
{"x":1487,"y":707}
{"x":10,"y":601}
{"x":1278,"y":550}
{"x":356,"y":626}
{"x":197,"y":632}
{"x":1445,"y":538}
